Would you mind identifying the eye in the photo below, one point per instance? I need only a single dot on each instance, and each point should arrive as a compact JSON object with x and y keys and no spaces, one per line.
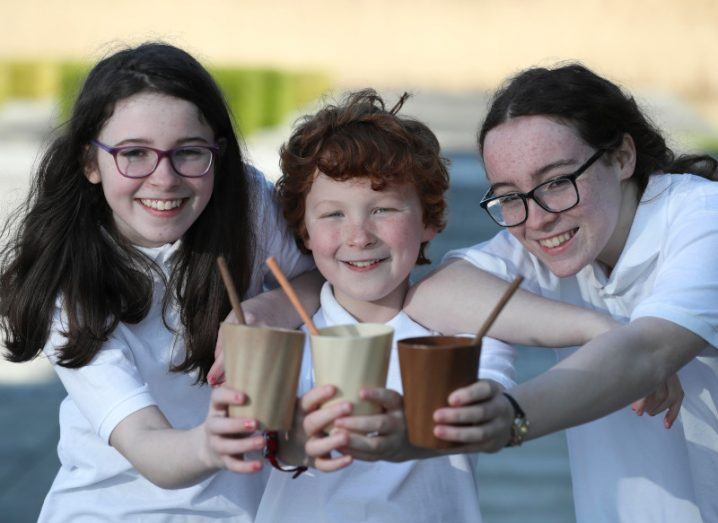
{"x":509,"y":199}
{"x":332,"y":214}
{"x":383,"y":210}
{"x":557,"y":184}
{"x":190,"y":153}
{"x":134,"y":153}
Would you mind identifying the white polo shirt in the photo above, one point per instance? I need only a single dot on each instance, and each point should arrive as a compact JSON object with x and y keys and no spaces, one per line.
{"x":429,"y":490}
{"x":130,"y":372}
{"x":626,"y":468}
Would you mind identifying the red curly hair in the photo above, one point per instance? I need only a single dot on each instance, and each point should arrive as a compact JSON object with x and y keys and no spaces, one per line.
{"x":360,"y":138}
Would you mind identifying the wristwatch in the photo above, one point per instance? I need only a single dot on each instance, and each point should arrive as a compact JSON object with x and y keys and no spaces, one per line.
{"x":519,"y":426}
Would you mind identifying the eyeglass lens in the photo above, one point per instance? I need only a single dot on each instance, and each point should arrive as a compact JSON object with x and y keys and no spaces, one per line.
{"x":137,"y":162}
{"x":554,"y":196}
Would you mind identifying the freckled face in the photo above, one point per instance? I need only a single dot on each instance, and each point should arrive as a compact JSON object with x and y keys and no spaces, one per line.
{"x":160,"y":208}
{"x":525,"y":151}
{"x":365,"y":242}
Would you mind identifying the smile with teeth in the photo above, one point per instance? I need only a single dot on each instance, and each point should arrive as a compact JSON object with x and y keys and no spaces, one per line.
{"x":557,"y":240}
{"x":161,"y":205}
{"x":364,"y":263}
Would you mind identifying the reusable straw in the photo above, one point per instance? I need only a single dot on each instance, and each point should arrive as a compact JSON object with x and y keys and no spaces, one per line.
{"x":289,"y":290}
{"x":498,"y":308}
{"x":231,"y":290}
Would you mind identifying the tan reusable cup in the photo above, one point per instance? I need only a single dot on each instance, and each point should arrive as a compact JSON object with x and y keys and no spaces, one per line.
{"x":432,"y":367}
{"x":263,"y":363}
{"x":351,"y":357}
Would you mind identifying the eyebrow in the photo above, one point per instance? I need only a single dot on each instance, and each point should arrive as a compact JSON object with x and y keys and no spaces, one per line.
{"x":145,"y":141}
{"x":540,"y":172}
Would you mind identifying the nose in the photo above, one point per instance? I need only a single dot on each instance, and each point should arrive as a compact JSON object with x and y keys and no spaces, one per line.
{"x":164,"y":175}
{"x":359,"y":234}
{"x":538,"y":217}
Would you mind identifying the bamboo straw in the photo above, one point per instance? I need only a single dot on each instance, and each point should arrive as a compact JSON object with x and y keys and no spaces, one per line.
{"x":497,"y":309}
{"x":289,"y":290}
{"x":231,"y":290}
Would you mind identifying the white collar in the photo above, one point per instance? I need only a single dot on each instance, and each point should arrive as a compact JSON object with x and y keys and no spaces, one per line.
{"x":161,"y":255}
{"x":335,"y":314}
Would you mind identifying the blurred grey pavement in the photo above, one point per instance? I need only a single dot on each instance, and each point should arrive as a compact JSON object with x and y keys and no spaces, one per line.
{"x":524,"y":485}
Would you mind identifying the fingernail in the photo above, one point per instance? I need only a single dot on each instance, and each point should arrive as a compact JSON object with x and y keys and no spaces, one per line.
{"x":257,"y":466}
{"x":250,"y":424}
{"x":239,"y":397}
{"x":211,"y":380}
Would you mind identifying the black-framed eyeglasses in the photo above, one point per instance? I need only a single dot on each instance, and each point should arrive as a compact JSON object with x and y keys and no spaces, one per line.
{"x":555,"y":195}
{"x":139,"y":161}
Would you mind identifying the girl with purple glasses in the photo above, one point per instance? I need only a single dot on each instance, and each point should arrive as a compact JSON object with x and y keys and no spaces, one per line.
{"x":111,"y":274}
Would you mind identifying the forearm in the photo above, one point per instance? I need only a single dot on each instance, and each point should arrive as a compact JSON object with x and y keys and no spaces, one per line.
{"x":459,"y":297}
{"x":169,"y":458}
{"x":606,"y":374}
{"x":273,"y":308}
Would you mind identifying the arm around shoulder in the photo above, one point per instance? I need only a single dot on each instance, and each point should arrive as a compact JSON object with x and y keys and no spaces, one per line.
{"x":458,"y":297}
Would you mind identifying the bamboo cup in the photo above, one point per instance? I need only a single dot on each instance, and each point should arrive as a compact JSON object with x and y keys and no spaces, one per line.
{"x":432,"y":367}
{"x":264,"y":364}
{"x":351,"y":357}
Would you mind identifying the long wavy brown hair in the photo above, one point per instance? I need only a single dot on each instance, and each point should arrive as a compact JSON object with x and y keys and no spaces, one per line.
{"x":63,"y":241}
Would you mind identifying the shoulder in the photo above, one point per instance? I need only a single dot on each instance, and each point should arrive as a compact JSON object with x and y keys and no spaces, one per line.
{"x":671,"y":188}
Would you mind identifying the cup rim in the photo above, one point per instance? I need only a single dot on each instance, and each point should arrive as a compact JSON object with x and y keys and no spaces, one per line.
{"x":387,"y":330}
{"x":263,"y":328}
{"x":422,"y":343}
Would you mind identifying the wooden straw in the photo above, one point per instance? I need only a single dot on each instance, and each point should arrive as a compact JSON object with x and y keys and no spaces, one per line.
{"x":497,"y":309}
{"x":231,"y":290}
{"x":289,"y":290}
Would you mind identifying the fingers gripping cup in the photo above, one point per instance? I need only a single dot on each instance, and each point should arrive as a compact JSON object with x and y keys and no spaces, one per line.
{"x":432,"y":367}
{"x":351,"y":357}
{"x":263,"y":363}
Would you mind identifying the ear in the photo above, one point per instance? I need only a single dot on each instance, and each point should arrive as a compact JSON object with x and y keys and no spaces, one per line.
{"x":625,"y":157}
{"x":428,"y":234}
{"x":305,"y":239}
{"x":90,"y":167}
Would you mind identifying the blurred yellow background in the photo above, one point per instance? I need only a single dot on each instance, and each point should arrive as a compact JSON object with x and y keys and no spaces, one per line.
{"x":667,"y":45}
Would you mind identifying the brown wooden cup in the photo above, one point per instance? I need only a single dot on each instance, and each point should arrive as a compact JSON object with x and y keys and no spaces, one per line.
{"x":432,"y":367}
{"x":263,"y":363}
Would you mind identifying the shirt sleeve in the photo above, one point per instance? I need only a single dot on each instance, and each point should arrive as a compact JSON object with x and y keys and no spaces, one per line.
{"x":106,"y":390}
{"x":497,"y":362}
{"x":685,"y":289}
{"x":274,"y":237}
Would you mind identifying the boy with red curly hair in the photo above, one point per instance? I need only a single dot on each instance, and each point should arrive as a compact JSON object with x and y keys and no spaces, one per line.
{"x":363,"y":190}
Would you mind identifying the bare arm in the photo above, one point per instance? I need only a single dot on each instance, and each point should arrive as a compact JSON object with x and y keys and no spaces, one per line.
{"x":606,"y":374}
{"x":273,"y":308}
{"x":172,"y":458}
{"x":458,"y":297}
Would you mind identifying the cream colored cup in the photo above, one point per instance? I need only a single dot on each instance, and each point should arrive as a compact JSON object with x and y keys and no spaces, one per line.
{"x":263,"y":363}
{"x":351,"y":357}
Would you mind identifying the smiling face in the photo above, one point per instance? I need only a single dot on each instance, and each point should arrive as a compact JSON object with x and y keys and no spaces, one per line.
{"x":160,"y":208}
{"x":525,"y":151}
{"x":365,"y":242}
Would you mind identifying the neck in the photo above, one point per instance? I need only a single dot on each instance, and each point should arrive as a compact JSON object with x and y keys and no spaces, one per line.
{"x":379,"y":311}
{"x":629,"y":203}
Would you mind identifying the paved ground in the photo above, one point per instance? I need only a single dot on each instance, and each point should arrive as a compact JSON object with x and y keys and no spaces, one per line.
{"x":524,"y":485}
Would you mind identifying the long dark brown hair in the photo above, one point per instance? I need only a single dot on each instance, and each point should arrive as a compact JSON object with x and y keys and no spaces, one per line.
{"x":63,"y":241}
{"x":600,"y":112}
